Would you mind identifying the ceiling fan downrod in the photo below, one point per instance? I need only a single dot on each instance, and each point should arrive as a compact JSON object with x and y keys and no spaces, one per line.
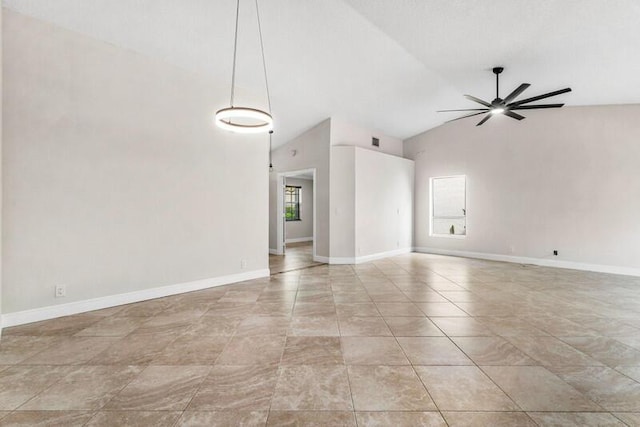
{"x":497,"y":71}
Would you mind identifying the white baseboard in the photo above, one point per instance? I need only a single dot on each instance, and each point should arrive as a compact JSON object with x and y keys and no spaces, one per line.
{"x":299,"y":240}
{"x":599,"y":268}
{"x":367,"y":258}
{"x":53,"y":311}
{"x":380,"y":255}
{"x":323,"y":259}
{"x":341,"y":260}
{"x":273,"y":251}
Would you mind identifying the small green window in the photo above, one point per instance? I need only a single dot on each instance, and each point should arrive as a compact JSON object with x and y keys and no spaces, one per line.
{"x":292,"y":196}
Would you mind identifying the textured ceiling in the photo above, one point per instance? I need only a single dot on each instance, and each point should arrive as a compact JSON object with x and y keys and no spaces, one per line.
{"x":379,"y":63}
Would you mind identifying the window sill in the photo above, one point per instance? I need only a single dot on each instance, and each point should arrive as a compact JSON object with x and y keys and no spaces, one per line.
{"x":449,"y":236}
{"x":293,"y":220}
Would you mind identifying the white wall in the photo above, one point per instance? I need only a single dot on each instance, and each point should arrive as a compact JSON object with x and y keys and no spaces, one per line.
{"x":297,"y":231}
{"x":331,"y":147}
{"x":371,"y":204}
{"x":311,"y":151}
{"x":343,"y":202}
{"x":347,"y":141}
{"x":383,"y":203}
{"x":346,"y":133}
{"x":1,"y":204}
{"x":114,"y":178}
{"x":567,"y":179}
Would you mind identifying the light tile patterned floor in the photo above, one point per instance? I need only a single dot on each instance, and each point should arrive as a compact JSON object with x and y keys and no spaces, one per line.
{"x":415,"y":340}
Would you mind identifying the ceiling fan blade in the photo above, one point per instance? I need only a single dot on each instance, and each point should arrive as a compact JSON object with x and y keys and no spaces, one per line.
{"x":536,"y":98}
{"x":466,"y":109}
{"x":513,"y":115}
{"x":484,"y":120}
{"x":464,"y":117}
{"x":478,"y":100}
{"x":513,"y":95}
{"x":533,"y":107}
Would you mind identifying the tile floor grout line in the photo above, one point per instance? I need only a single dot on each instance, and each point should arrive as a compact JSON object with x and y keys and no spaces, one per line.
{"x":486,"y":375}
{"x":496,"y":384}
{"x":186,"y":407}
{"x":17,"y":408}
{"x":279,"y":370}
{"x":346,"y":367}
{"x":469,"y":357}
{"x":399,"y":273}
{"x":414,"y":369}
{"x":533,"y":358}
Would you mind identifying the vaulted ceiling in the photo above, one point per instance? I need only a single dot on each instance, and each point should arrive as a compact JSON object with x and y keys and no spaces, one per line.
{"x":384,"y":64}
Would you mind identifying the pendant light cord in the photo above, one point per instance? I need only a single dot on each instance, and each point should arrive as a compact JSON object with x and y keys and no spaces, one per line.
{"x":235,"y":52}
{"x":224,"y":117}
{"x":264,"y":63}
{"x":270,"y":163}
{"x":266,"y":80}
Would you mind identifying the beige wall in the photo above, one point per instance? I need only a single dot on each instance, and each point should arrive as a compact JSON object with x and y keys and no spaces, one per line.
{"x":303,"y":229}
{"x":566,"y":179}
{"x":115,"y":179}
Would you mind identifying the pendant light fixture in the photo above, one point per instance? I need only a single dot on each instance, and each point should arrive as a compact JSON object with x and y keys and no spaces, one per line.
{"x":245,"y":119}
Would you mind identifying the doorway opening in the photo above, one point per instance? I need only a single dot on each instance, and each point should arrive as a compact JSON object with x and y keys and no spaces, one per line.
{"x":296,"y":221}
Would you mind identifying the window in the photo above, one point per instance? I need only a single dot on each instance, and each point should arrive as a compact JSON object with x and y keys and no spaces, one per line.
{"x":292,"y":203}
{"x":448,"y":206}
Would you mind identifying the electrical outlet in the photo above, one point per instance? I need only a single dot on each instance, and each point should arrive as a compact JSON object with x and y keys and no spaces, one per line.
{"x":61,"y":291}
{"x":555,"y":252}
{"x":243,"y":264}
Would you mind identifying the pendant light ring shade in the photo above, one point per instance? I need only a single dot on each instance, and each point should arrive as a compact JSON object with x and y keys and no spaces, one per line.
{"x":246,"y":119}
{"x":228,"y":119}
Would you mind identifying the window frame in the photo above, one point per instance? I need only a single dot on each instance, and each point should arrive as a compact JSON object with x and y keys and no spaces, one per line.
{"x":431,"y":217}
{"x":297,"y":203}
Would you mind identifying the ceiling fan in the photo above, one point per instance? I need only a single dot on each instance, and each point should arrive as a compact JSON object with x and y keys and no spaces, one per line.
{"x":507,"y":106}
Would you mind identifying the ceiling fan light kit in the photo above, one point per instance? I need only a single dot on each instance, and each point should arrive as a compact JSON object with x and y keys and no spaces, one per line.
{"x":245,"y":119}
{"x":508,"y":105}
